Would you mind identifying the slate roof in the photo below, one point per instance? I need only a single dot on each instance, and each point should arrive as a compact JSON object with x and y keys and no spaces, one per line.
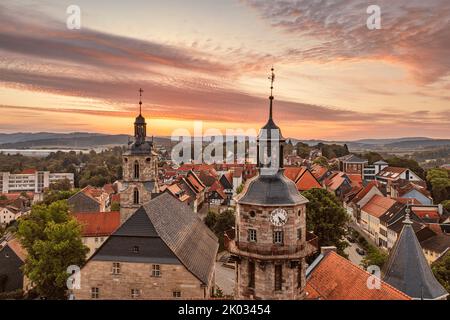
{"x":271,"y":190}
{"x":332,"y":277}
{"x":167,"y":231}
{"x":408,"y":270}
{"x":439,"y":243}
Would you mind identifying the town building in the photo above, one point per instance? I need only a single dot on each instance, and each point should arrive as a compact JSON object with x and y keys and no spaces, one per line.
{"x":407,"y":268}
{"x":162,"y":251}
{"x":352,"y":164}
{"x":12,"y":258}
{"x":302,"y":177}
{"x":96,"y":228}
{"x":89,"y":199}
{"x":31,"y":180}
{"x":269,"y":242}
{"x":140,"y":170}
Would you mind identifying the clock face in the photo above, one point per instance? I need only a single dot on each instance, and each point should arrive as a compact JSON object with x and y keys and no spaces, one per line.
{"x":278,"y":217}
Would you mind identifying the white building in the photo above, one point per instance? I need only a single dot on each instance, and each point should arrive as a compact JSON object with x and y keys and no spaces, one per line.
{"x":31,"y":180}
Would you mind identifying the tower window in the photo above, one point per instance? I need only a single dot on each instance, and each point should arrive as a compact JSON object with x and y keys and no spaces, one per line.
{"x":278,"y":277}
{"x":176,"y":294}
{"x":136,"y":249}
{"x":136,"y":196}
{"x":252,"y":214}
{"x":148,"y":159}
{"x":251,"y":274}
{"x":136,"y":170}
{"x":252,"y":235}
{"x":299,"y":233}
{"x":278,"y":237}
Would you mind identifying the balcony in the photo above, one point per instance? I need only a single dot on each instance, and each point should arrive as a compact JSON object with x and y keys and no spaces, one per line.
{"x":270,"y":251}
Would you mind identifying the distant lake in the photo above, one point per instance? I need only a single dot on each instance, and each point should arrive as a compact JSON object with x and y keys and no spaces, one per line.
{"x":42,"y":152}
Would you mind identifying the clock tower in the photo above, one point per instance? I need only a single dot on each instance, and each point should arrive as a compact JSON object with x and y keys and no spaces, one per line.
{"x":140,"y":169}
{"x":269,"y":241}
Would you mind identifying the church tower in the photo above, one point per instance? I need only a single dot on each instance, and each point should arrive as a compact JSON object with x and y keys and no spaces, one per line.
{"x":140,"y":169}
{"x":269,"y":244}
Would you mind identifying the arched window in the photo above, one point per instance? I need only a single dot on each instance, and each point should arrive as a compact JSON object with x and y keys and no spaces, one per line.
{"x":136,"y":170}
{"x":136,"y":196}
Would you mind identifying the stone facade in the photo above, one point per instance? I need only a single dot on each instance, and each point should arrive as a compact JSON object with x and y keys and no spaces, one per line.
{"x":174,"y":282}
{"x":265,"y":254}
{"x":144,"y":181}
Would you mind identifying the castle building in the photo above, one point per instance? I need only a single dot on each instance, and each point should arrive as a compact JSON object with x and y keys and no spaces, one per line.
{"x":270,"y":240}
{"x":140,"y":170}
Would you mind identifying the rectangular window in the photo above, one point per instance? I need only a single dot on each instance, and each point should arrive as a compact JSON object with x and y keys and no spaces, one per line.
{"x":299,"y":234}
{"x":252,"y":235}
{"x":176,"y":294}
{"x":135,"y":293}
{"x":251,"y":274}
{"x":278,"y":277}
{"x":278,"y":237}
{"x":95,"y":293}
{"x":116,"y":268}
{"x":156,"y":270}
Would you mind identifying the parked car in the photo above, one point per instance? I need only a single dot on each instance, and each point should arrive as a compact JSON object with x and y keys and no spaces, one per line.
{"x":360,"y":251}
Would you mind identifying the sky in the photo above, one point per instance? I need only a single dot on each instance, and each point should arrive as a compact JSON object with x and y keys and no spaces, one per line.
{"x":209,"y":60}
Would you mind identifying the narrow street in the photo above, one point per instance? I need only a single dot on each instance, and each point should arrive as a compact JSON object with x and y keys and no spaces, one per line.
{"x":225,"y":278}
{"x":353,"y":256}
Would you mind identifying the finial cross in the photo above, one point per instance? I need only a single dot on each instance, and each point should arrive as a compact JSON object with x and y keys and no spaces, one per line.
{"x":272,"y":79}
{"x":140,"y":100}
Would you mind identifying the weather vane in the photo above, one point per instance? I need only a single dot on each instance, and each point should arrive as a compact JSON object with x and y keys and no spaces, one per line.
{"x":272,"y":79}
{"x":140,"y":100}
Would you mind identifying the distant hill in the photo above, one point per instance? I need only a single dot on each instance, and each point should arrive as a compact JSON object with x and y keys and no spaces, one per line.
{"x":86,"y":140}
{"x":76,"y":140}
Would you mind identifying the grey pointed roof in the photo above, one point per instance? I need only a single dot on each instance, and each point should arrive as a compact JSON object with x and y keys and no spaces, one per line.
{"x":408,"y":270}
{"x":166,"y":231}
{"x":272,"y":190}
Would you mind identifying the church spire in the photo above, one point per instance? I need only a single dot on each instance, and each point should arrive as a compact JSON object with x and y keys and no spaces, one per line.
{"x":140,"y":127}
{"x":140,"y":101}
{"x":272,"y":79}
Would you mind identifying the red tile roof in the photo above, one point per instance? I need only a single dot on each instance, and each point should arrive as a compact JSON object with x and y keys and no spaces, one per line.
{"x":28,"y":171}
{"x":336,"y":278}
{"x":378,"y":205}
{"x":318,"y":171}
{"x":356,"y":179}
{"x":18,"y":249}
{"x":98,"y":223}
{"x":364,"y":191}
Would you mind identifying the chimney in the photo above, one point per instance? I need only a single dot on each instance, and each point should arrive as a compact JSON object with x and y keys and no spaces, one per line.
{"x":325,"y":250}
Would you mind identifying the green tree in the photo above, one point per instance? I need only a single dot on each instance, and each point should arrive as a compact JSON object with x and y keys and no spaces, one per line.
{"x":326,"y":218}
{"x":440,"y":184}
{"x":321,"y":161}
{"x":115,"y":206}
{"x":61,"y":185}
{"x":441,"y":270}
{"x":240,"y":188}
{"x":375,"y":257}
{"x":446,"y":205}
{"x":52,"y":239}
{"x":211,"y":219}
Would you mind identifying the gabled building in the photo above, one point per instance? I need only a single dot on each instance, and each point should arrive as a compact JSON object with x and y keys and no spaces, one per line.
{"x":435,"y":247}
{"x":89,"y":199}
{"x":371,"y":212}
{"x":97,"y":227}
{"x":391,"y":177}
{"x":12,"y":258}
{"x":408,"y":270}
{"x":339,"y":184}
{"x":303,"y":178}
{"x":194,"y":188}
{"x":359,"y":200}
{"x":162,"y":251}
{"x":320,"y":172}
